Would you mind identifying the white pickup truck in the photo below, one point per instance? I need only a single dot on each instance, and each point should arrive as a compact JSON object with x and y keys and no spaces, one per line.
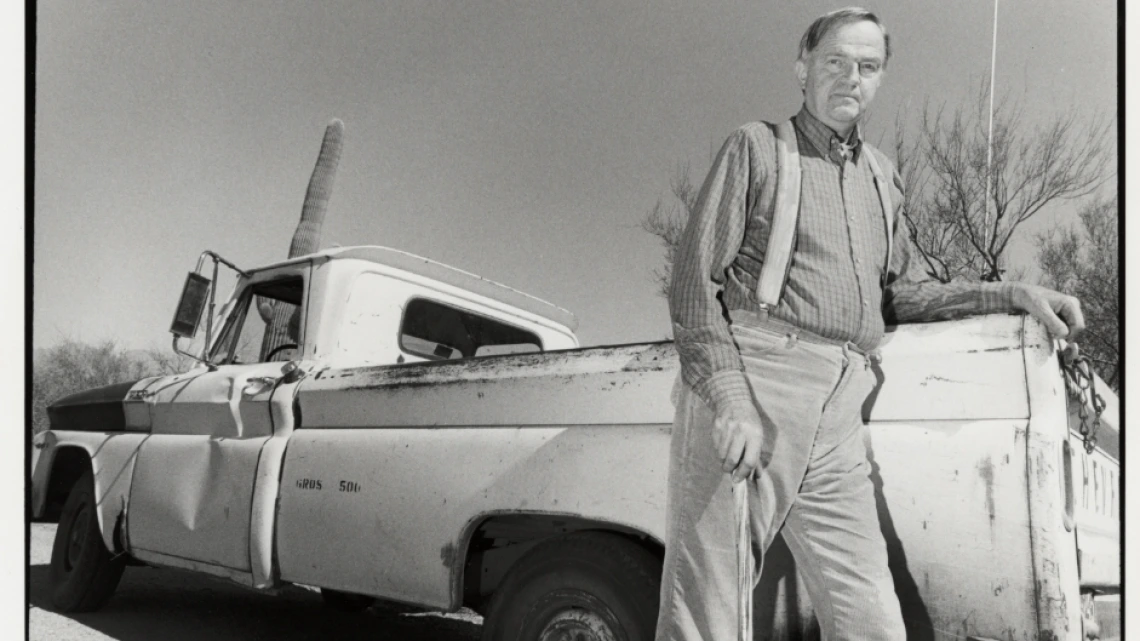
{"x":434,"y":438}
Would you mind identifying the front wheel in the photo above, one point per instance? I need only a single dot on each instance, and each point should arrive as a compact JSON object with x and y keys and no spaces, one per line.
{"x":83,"y":572}
{"x":588,"y":586}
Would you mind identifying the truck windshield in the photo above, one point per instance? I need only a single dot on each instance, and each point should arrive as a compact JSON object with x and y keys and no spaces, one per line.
{"x":266,"y":324}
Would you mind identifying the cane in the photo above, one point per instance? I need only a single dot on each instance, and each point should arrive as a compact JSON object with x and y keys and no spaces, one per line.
{"x":744,"y":576}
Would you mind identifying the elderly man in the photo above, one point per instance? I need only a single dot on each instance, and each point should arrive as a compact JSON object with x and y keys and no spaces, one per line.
{"x":772,"y":392}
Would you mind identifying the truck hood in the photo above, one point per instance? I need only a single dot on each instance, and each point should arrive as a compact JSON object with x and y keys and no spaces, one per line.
{"x":99,"y":409}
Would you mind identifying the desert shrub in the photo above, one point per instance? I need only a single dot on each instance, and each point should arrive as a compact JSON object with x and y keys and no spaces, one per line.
{"x":73,"y":366}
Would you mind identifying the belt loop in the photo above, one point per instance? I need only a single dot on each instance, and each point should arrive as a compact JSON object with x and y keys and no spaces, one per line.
{"x":763,"y":313}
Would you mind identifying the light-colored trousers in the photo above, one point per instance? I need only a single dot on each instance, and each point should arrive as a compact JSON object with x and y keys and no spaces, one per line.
{"x":813,"y":482}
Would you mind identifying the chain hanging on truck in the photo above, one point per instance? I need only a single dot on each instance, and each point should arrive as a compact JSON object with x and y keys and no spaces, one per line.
{"x":1081,"y":383}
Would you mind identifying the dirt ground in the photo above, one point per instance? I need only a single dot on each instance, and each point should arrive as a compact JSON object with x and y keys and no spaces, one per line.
{"x":173,"y":605}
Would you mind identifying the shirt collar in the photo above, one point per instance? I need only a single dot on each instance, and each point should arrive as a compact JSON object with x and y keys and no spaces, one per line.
{"x":820,"y":135}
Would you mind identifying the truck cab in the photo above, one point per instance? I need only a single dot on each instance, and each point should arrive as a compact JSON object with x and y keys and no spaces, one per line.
{"x":380,"y":306}
{"x":196,"y":437}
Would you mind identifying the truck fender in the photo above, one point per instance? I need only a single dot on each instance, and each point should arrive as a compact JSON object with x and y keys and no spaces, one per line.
{"x":44,"y":449}
{"x":60,"y":458}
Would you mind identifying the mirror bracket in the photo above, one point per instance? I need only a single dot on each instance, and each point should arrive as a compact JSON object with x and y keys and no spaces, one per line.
{"x":177,"y":350}
{"x":193,"y":302}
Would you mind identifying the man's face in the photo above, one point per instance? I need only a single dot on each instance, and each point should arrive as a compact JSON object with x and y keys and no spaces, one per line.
{"x":841,"y":75}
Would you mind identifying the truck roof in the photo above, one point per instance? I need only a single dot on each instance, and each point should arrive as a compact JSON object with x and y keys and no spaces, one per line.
{"x":429,"y":268}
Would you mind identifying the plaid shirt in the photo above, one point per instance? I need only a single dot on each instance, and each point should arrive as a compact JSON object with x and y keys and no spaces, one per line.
{"x":834,"y":284}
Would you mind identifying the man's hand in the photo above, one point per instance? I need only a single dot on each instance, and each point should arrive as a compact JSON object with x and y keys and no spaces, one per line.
{"x":737,"y":435}
{"x":1060,"y":313}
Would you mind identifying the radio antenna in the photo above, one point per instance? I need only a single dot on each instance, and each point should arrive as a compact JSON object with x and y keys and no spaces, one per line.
{"x":990,"y":137}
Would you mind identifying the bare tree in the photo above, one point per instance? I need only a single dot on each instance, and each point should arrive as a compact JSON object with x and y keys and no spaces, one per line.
{"x":948,"y":183}
{"x":1082,"y":262}
{"x":667,"y":222}
{"x":943,"y":247}
{"x":944,"y":174}
{"x":164,"y":362}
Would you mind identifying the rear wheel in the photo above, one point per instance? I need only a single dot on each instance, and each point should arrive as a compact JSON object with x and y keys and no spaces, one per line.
{"x":579,"y":587}
{"x":83,"y":572}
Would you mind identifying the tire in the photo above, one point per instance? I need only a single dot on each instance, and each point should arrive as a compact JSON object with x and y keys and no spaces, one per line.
{"x":588,"y":586}
{"x":345,"y":601}
{"x":83,"y":572}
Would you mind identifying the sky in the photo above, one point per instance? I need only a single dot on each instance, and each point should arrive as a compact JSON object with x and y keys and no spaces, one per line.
{"x":520,"y":141}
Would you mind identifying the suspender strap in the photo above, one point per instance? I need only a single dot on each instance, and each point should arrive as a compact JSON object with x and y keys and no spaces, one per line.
{"x":778,"y":257}
{"x":884,"y":189}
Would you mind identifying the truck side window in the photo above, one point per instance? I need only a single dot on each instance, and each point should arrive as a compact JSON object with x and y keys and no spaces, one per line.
{"x":440,"y":332}
{"x":247,"y":337}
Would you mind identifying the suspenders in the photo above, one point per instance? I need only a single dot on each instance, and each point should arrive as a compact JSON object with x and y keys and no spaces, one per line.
{"x":778,"y":257}
{"x":884,"y":189}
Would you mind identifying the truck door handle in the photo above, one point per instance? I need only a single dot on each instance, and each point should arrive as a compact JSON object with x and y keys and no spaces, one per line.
{"x":291,"y":372}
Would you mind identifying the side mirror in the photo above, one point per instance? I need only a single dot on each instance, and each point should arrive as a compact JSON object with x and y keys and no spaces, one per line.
{"x":190,"y":306}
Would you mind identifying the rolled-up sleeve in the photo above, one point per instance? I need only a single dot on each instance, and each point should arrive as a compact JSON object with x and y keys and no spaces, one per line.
{"x":710,"y":361}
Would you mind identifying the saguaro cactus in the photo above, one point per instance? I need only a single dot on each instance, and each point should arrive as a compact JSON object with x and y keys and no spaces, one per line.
{"x":307,"y":238}
{"x":283,"y":322}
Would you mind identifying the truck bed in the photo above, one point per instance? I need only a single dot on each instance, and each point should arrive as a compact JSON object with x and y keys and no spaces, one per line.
{"x":956,"y":370}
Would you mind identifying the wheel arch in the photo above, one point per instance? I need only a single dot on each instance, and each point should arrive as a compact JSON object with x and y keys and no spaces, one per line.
{"x":66,"y":465}
{"x":491,"y":543}
{"x":109,"y":456}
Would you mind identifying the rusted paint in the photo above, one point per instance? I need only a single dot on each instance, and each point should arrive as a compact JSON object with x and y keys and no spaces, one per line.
{"x":565,"y":365}
{"x":986,"y":471}
{"x":1053,"y":549}
{"x":448,"y":555}
{"x":940,"y":379}
{"x":988,"y":350}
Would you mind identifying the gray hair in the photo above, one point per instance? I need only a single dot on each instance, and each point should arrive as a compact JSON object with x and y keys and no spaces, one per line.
{"x":838,"y":18}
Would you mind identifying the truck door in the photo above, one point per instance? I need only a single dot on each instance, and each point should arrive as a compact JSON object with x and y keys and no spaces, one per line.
{"x":192,"y":490}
